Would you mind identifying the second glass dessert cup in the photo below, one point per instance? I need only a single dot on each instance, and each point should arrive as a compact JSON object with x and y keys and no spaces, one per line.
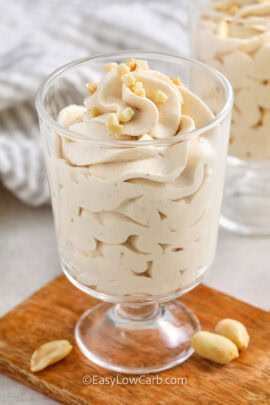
{"x":234,"y":38}
{"x":139,"y":228}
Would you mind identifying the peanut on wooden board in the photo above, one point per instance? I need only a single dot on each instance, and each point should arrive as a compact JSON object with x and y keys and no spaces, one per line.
{"x":214,"y":347}
{"x":49,"y":353}
{"x":235,"y":331}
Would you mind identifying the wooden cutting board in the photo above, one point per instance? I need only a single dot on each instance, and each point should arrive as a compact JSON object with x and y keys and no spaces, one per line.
{"x":51,"y":313}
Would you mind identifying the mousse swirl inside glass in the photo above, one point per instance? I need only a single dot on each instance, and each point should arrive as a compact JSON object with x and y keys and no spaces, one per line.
{"x":136,"y":164}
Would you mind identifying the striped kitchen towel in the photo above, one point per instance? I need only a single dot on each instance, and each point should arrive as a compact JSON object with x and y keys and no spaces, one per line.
{"x":37,"y":37}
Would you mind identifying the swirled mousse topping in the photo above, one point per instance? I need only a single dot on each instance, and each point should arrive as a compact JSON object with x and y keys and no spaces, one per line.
{"x":243,"y":18}
{"x":131,"y":102}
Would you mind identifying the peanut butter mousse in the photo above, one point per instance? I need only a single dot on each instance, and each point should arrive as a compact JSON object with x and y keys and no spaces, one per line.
{"x":234,"y":37}
{"x":137,"y":219}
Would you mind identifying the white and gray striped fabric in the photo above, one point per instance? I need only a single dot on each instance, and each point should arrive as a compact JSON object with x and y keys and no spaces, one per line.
{"x":37,"y":37}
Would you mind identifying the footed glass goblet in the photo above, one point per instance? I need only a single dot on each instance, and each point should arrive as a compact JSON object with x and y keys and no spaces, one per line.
{"x":136,"y":218}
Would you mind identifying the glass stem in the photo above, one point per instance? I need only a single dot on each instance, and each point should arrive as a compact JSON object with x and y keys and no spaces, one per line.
{"x":137,"y":312}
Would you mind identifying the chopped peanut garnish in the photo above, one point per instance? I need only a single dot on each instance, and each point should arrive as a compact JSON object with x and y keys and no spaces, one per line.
{"x":91,"y":87}
{"x":131,"y":63}
{"x":160,"y":97}
{"x":91,"y":113}
{"x":138,"y":89}
{"x":113,"y":125}
{"x":142,"y":64}
{"x":123,"y":69}
{"x":223,"y":29}
{"x":110,"y":66}
{"x":128,"y":79}
{"x":126,"y":114}
{"x":176,"y":81}
{"x":233,"y":9}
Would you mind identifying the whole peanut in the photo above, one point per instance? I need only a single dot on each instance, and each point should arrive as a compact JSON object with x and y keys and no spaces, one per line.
{"x":235,"y":331}
{"x":49,"y":353}
{"x":214,"y":347}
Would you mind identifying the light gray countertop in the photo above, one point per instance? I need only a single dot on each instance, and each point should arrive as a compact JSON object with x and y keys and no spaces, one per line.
{"x":28,"y":260}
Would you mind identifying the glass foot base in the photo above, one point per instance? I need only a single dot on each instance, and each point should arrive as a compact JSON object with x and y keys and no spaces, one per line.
{"x":137,"y":338}
{"x":246,"y":201}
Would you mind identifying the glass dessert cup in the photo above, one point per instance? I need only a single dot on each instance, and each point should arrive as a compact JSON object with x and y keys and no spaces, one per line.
{"x":246,"y":201}
{"x":155,"y":231}
{"x":235,"y":38}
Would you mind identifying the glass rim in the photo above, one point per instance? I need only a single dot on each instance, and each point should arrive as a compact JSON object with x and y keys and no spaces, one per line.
{"x":227,"y":107}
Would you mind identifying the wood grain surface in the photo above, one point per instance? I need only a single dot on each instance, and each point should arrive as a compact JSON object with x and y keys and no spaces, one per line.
{"x":51,"y":313}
